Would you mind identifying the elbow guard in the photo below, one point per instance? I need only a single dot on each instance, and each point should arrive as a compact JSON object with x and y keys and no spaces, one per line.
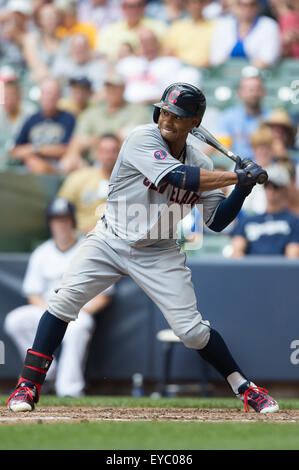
{"x":184,"y":177}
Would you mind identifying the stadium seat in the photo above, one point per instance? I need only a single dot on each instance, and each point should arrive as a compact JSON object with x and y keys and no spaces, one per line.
{"x":231,"y":71}
{"x":287,"y":70}
{"x":24,"y":198}
{"x":169,"y":340}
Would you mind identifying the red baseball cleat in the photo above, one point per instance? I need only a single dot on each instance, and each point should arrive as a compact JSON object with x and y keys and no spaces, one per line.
{"x":23,"y":398}
{"x":258,"y":398}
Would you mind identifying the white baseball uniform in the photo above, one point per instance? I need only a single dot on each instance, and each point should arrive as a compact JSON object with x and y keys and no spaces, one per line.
{"x":44,"y":272}
{"x":136,"y":236}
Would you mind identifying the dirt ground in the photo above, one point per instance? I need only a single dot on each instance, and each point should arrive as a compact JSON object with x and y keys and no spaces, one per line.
{"x":90,"y":414}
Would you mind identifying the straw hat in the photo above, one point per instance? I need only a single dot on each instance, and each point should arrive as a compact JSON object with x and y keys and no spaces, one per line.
{"x":280,"y":117}
{"x":263,"y":136}
{"x":114,"y":78}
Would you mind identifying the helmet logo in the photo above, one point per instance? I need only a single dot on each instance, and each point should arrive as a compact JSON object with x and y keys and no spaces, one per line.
{"x":173,"y":97}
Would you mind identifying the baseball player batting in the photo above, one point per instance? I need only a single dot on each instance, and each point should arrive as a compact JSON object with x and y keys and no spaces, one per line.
{"x":160,"y":168}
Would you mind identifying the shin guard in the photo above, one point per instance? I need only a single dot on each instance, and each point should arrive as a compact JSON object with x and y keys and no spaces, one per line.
{"x":35,"y":368}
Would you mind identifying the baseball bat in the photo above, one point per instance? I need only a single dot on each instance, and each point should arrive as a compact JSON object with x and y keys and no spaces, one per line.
{"x":205,"y":136}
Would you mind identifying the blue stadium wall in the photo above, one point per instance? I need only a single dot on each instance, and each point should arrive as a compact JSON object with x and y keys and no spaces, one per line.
{"x":252,"y":302}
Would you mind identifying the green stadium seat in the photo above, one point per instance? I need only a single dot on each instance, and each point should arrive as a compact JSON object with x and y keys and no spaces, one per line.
{"x":287,"y":70}
{"x":24,"y":198}
{"x":230,"y":71}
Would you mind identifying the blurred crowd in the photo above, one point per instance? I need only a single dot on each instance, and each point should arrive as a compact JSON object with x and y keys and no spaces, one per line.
{"x":77,"y":76}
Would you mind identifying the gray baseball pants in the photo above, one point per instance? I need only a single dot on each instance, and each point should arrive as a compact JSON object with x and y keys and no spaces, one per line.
{"x":159,"y":270}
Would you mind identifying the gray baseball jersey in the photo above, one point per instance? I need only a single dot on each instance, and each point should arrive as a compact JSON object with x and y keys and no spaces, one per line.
{"x":139,"y":207}
{"x":132,"y":239}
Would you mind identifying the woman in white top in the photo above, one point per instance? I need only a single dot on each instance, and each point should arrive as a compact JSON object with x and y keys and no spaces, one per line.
{"x":246,"y":34}
{"x":42,"y":46}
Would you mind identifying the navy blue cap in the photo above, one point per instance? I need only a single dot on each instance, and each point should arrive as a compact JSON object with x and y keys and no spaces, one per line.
{"x":60,"y":207}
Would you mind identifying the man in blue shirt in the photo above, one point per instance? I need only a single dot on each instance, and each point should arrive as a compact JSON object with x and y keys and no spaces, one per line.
{"x":276,"y":232}
{"x":43,"y":139}
{"x":239,"y":122}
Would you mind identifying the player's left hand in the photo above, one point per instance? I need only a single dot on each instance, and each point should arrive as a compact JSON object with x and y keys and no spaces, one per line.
{"x":256,"y":171}
{"x":245,"y":164}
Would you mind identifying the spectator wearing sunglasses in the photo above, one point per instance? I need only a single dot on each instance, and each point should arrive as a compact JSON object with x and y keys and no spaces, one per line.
{"x":276,"y":231}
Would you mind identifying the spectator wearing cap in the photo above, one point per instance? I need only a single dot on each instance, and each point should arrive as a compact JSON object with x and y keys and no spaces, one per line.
{"x":149,"y":73}
{"x":13,"y":113}
{"x":237,"y":123}
{"x":44,"y":137}
{"x":80,"y":63}
{"x":101,"y":13}
{"x":70,"y":25}
{"x":45,"y":269}
{"x":276,"y":231}
{"x":113,"y":115}
{"x":42,"y":46}
{"x":189,"y":39}
{"x":246,"y":34}
{"x":126,"y":30}
{"x":80,"y":96}
{"x":14,"y":25}
{"x":87,"y":188}
{"x":261,"y":144}
{"x":284,"y":134}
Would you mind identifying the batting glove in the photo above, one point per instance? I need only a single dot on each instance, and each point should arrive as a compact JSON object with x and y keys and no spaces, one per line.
{"x":248,"y":172}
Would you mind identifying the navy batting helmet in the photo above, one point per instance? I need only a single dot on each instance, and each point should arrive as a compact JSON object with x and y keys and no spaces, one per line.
{"x":60,"y":207}
{"x":182,"y":99}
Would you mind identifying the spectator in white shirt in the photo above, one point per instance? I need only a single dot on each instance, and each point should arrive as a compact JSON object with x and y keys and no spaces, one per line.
{"x":42,"y":47}
{"x":246,"y":34}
